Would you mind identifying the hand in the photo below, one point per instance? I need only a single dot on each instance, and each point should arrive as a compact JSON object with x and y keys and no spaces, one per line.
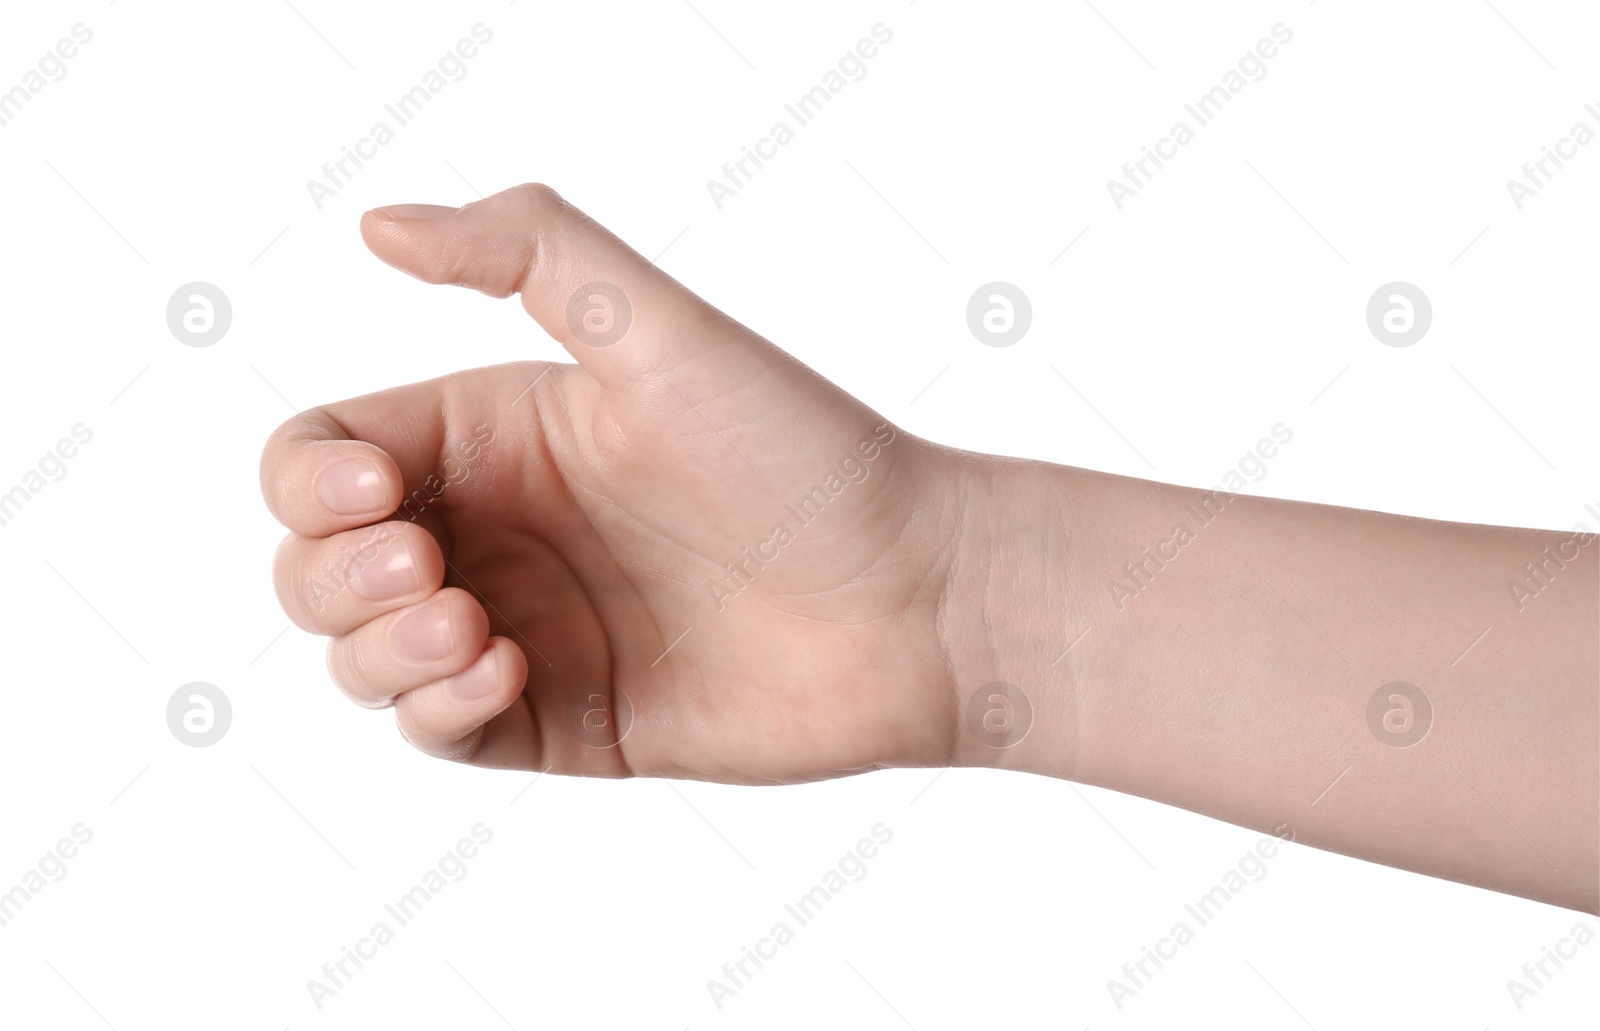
{"x":688,"y":540}
{"x":688,"y":555}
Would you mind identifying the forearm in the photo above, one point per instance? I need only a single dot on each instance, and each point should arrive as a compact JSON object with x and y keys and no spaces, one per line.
{"x":1222,"y":654}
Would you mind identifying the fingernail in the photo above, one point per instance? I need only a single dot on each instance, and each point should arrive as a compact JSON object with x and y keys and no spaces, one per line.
{"x":402,"y":212}
{"x":386,"y":571}
{"x":351,"y":486}
{"x":424,"y":635}
{"x":476,"y":680}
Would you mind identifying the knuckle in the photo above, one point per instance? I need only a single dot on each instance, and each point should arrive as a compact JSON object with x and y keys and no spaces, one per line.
{"x":532,"y":210}
{"x":540,"y":211}
{"x":421,"y":725}
{"x":459,"y":259}
{"x":350,"y":667}
{"x":539,"y":199}
{"x":295,"y":584}
{"x":275,"y":491}
{"x":285,"y":431}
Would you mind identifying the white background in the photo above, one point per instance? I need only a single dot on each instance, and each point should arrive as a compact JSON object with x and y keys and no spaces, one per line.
{"x":1227,"y":296}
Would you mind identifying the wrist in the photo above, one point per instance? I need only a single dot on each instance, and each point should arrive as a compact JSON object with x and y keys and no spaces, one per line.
{"x":1011,"y":617}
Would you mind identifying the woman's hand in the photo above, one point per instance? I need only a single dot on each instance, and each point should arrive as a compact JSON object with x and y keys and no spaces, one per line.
{"x":688,"y":554}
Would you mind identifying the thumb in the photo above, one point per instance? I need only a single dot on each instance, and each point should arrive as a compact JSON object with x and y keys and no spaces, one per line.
{"x":623,"y":319}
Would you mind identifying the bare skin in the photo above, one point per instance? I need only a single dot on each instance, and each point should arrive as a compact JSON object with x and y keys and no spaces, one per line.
{"x":688,"y":555}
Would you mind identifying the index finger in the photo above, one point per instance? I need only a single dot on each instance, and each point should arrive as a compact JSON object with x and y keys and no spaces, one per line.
{"x":317,"y":480}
